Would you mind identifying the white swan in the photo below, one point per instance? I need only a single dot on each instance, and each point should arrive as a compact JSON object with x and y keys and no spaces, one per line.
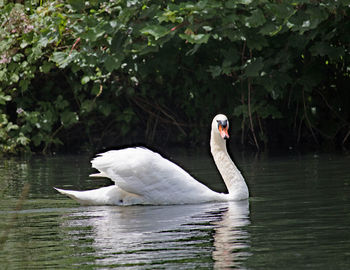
{"x":145,"y":177}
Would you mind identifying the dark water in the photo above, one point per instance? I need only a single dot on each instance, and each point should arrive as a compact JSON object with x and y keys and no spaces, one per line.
{"x":298,"y":217}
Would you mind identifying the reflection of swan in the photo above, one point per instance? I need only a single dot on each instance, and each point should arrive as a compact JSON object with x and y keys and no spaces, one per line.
{"x":230,"y":240}
{"x":144,"y":177}
{"x":179,"y":235}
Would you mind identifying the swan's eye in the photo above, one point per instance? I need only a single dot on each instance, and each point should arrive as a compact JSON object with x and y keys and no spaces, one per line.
{"x":222,"y":123}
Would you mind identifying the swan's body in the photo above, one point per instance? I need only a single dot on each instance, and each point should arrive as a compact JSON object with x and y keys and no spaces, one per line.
{"x":142,"y":176}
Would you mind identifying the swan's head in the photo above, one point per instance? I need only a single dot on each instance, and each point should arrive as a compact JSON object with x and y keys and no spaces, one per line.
{"x":220,"y":126}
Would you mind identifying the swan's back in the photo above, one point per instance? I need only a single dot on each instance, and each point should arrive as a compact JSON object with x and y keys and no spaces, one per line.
{"x":159,"y":181}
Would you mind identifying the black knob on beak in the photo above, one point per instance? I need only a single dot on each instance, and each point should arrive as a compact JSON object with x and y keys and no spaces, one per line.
{"x":222,"y":123}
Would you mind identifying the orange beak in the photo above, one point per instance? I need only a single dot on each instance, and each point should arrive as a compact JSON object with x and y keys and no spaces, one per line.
{"x":224,"y":132}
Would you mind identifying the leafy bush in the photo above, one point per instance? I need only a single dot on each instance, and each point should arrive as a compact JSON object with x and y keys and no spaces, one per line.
{"x":99,"y":73}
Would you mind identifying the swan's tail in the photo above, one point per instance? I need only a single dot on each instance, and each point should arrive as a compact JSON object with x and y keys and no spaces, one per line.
{"x":75,"y":195}
{"x":100,"y":174}
{"x":101,"y":196}
{"x":111,"y":195}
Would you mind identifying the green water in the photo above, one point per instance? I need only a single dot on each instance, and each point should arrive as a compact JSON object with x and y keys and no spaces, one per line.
{"x":298,"y":217}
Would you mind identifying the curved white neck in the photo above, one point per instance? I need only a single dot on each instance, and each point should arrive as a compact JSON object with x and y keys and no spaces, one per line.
{"x":232,"y":177}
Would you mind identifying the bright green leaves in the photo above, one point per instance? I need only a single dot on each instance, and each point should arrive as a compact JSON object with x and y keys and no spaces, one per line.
{"x":62,"y":59}
{"x":85,"y":79}
{"x":4,"y":98}
{"x":170,"y":16}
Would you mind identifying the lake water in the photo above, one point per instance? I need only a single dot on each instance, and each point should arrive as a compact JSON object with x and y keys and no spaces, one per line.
{"x":298,"y":217}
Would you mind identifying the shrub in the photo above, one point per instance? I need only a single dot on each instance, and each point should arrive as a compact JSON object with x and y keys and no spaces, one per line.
{"x":99,"y":73}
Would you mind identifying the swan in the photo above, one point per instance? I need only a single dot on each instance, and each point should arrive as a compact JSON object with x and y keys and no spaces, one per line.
{"x":142,"y":176}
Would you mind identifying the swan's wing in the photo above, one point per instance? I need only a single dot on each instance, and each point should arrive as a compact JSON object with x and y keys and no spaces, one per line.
{"x":148,"y":174}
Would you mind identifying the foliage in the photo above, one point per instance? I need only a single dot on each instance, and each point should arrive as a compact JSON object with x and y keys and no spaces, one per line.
{"x":151,"y":71}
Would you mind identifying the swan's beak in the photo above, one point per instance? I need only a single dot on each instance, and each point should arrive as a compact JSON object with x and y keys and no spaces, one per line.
{"x":223,"y":132}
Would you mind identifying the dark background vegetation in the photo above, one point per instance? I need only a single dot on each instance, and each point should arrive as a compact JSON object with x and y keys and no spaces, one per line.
{"x":83,"y":75}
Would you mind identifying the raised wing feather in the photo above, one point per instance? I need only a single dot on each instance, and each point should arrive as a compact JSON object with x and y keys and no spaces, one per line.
{"x":146,"y":173}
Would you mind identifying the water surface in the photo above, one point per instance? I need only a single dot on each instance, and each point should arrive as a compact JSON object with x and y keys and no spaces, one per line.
{"x":298,"y":217}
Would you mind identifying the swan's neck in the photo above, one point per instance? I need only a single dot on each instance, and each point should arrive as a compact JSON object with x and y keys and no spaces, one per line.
{"x":231,"y":175}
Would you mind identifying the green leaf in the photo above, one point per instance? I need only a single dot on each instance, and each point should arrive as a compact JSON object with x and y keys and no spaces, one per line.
{"x":77,"y":4}
{"x":10,"y":126}
{"x":37,"y":139}
{"x":93,"y":34}
{"x":17,"y":57}
{"x":43,"y":41}
{"x":195,"y":39}
{"x":61,"y":103}
{"x":24,"y":84}
{"x":4,"y":99}
{"x":244,"y":2}
{"x":14,"y":77}
{"x":112,"y":63}
{"x":85,"y":79}
{"x":61,"y":59}
{"x":46,"y":67}
{"x":270,"y":29}
{"x":69,"y":118}
{"x":256,"y":19}
{"x":23,"y":140}
{"x":87,"y":106}
{"x":255,"y":40}
{"x":215,"y":71}
{"x":207,"y":28}
{"x":325,"y":49}
{"x":281,"y":10}
{"x":157,"y":31}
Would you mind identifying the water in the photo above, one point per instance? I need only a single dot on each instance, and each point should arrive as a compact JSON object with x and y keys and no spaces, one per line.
{"x":298,"y":217}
